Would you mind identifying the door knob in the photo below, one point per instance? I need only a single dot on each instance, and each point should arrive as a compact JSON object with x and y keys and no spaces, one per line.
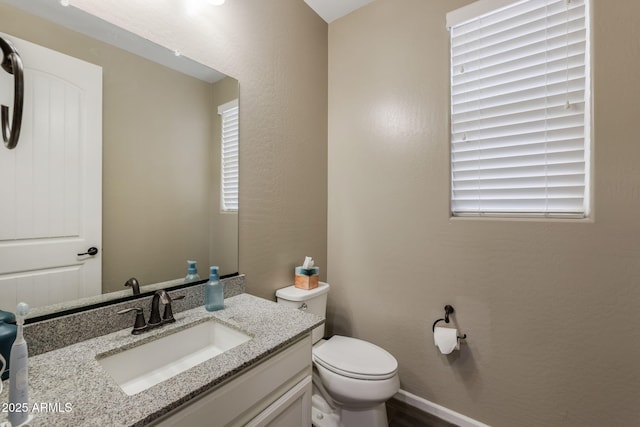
{"x":91,"y":251}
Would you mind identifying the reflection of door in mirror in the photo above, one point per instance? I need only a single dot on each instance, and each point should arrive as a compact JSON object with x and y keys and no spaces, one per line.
{"x":50,"y":184}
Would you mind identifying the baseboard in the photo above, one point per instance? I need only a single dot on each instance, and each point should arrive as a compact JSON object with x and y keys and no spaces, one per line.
{"x":437,"y":410}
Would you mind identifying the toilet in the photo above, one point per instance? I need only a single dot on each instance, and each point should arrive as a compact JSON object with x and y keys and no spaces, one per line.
{"x":352,"y":378}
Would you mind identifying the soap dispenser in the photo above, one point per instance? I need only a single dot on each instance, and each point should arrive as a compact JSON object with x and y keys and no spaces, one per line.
{"x":192,"y":272}
{"x":213,"y":291}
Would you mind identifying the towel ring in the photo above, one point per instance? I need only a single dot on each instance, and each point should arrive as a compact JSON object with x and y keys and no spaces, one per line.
{"x":12,"y":64}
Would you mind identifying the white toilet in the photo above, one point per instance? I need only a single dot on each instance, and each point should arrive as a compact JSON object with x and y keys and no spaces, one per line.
{"x":352,"y":378}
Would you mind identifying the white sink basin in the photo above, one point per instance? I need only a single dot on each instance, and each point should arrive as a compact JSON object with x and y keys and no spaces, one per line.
{"x":139,"y":368}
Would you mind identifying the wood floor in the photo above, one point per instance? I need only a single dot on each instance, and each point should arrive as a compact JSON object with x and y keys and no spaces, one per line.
{"x":402,"y":415}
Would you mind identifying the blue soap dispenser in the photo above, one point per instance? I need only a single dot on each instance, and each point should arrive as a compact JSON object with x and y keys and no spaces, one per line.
{"x":192,"y":272}
{"x":213,"y":291}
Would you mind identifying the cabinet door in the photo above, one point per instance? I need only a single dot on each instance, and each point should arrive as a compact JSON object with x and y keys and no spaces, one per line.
{"x":292,"y":409}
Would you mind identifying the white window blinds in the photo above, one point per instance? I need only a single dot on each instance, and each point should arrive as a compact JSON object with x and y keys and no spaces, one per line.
{"x":520,"y":110}
{"x":230,"y":165}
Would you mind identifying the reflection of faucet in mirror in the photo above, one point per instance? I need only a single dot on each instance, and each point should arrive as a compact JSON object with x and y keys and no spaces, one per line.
{"x":134,"y":285}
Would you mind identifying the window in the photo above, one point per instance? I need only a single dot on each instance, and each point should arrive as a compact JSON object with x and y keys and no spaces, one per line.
{"x":230,"y":165}
{"x":520,"y":108}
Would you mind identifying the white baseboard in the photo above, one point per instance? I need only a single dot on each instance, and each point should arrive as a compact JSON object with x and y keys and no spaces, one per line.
{"x":437,"y":410}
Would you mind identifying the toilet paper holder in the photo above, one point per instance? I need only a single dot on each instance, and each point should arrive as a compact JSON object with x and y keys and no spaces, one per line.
{"x":448,"y":309}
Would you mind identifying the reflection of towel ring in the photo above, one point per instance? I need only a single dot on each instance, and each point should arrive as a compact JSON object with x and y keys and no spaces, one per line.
{"x":12,"y":64}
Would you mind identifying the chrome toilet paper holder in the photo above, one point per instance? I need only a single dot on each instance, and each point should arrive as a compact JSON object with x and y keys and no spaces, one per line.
{"x":448,"y":309}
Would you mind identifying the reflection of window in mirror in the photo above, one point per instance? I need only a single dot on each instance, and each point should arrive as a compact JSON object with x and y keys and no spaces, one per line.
{"x":229,"y":170}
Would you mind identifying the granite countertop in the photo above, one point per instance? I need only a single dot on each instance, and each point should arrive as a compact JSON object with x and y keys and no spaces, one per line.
{"x":78,"y":392}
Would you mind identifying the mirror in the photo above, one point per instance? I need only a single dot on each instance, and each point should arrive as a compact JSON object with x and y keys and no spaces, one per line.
{"x":161,"y":158}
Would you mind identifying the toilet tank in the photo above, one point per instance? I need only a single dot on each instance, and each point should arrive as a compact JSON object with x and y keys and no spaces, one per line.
{"x":311,"y":301}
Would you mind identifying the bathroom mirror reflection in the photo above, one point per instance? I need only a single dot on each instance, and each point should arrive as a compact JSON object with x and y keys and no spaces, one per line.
{"x":161,"y":132}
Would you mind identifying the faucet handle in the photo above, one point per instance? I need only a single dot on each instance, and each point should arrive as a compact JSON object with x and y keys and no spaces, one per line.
{"x":140,"y":325}
{"x":167,"y":317}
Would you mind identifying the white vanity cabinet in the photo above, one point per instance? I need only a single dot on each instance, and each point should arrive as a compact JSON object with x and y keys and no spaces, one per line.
{"x":274,"y":393}
{"x":292,"y":409}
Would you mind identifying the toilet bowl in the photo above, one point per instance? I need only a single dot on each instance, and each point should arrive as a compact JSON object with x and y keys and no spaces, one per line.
{"x":352,"y":378}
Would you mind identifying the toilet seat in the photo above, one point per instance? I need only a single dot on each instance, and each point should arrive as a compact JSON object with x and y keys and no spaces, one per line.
{"x":354,"y":358}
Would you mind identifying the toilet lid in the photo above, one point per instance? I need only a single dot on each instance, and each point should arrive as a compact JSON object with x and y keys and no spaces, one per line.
{"x":354,"y":358}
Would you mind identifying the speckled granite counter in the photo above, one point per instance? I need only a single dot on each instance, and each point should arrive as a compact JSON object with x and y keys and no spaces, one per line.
{"x":72,"y":378}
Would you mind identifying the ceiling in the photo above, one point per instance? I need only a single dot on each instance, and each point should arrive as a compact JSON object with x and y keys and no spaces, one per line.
{"x":330,"y":10}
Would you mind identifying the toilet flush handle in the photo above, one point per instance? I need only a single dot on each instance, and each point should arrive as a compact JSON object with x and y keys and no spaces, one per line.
{"x":303,"y":306}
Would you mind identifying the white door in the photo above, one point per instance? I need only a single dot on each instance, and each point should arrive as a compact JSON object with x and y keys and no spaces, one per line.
{"x":51,"y":183}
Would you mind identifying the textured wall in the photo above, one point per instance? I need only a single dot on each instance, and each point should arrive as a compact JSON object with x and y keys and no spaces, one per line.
{"x":277,"y":49}
{"x":550,"y":307}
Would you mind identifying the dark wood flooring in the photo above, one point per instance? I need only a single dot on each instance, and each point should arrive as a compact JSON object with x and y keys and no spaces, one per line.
{"x":402,"y":415}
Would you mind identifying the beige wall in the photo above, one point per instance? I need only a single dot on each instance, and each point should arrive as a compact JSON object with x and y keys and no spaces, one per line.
{"x":277,"y":49}
{"x":551,"y":308}
{"x":156,"y":180}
